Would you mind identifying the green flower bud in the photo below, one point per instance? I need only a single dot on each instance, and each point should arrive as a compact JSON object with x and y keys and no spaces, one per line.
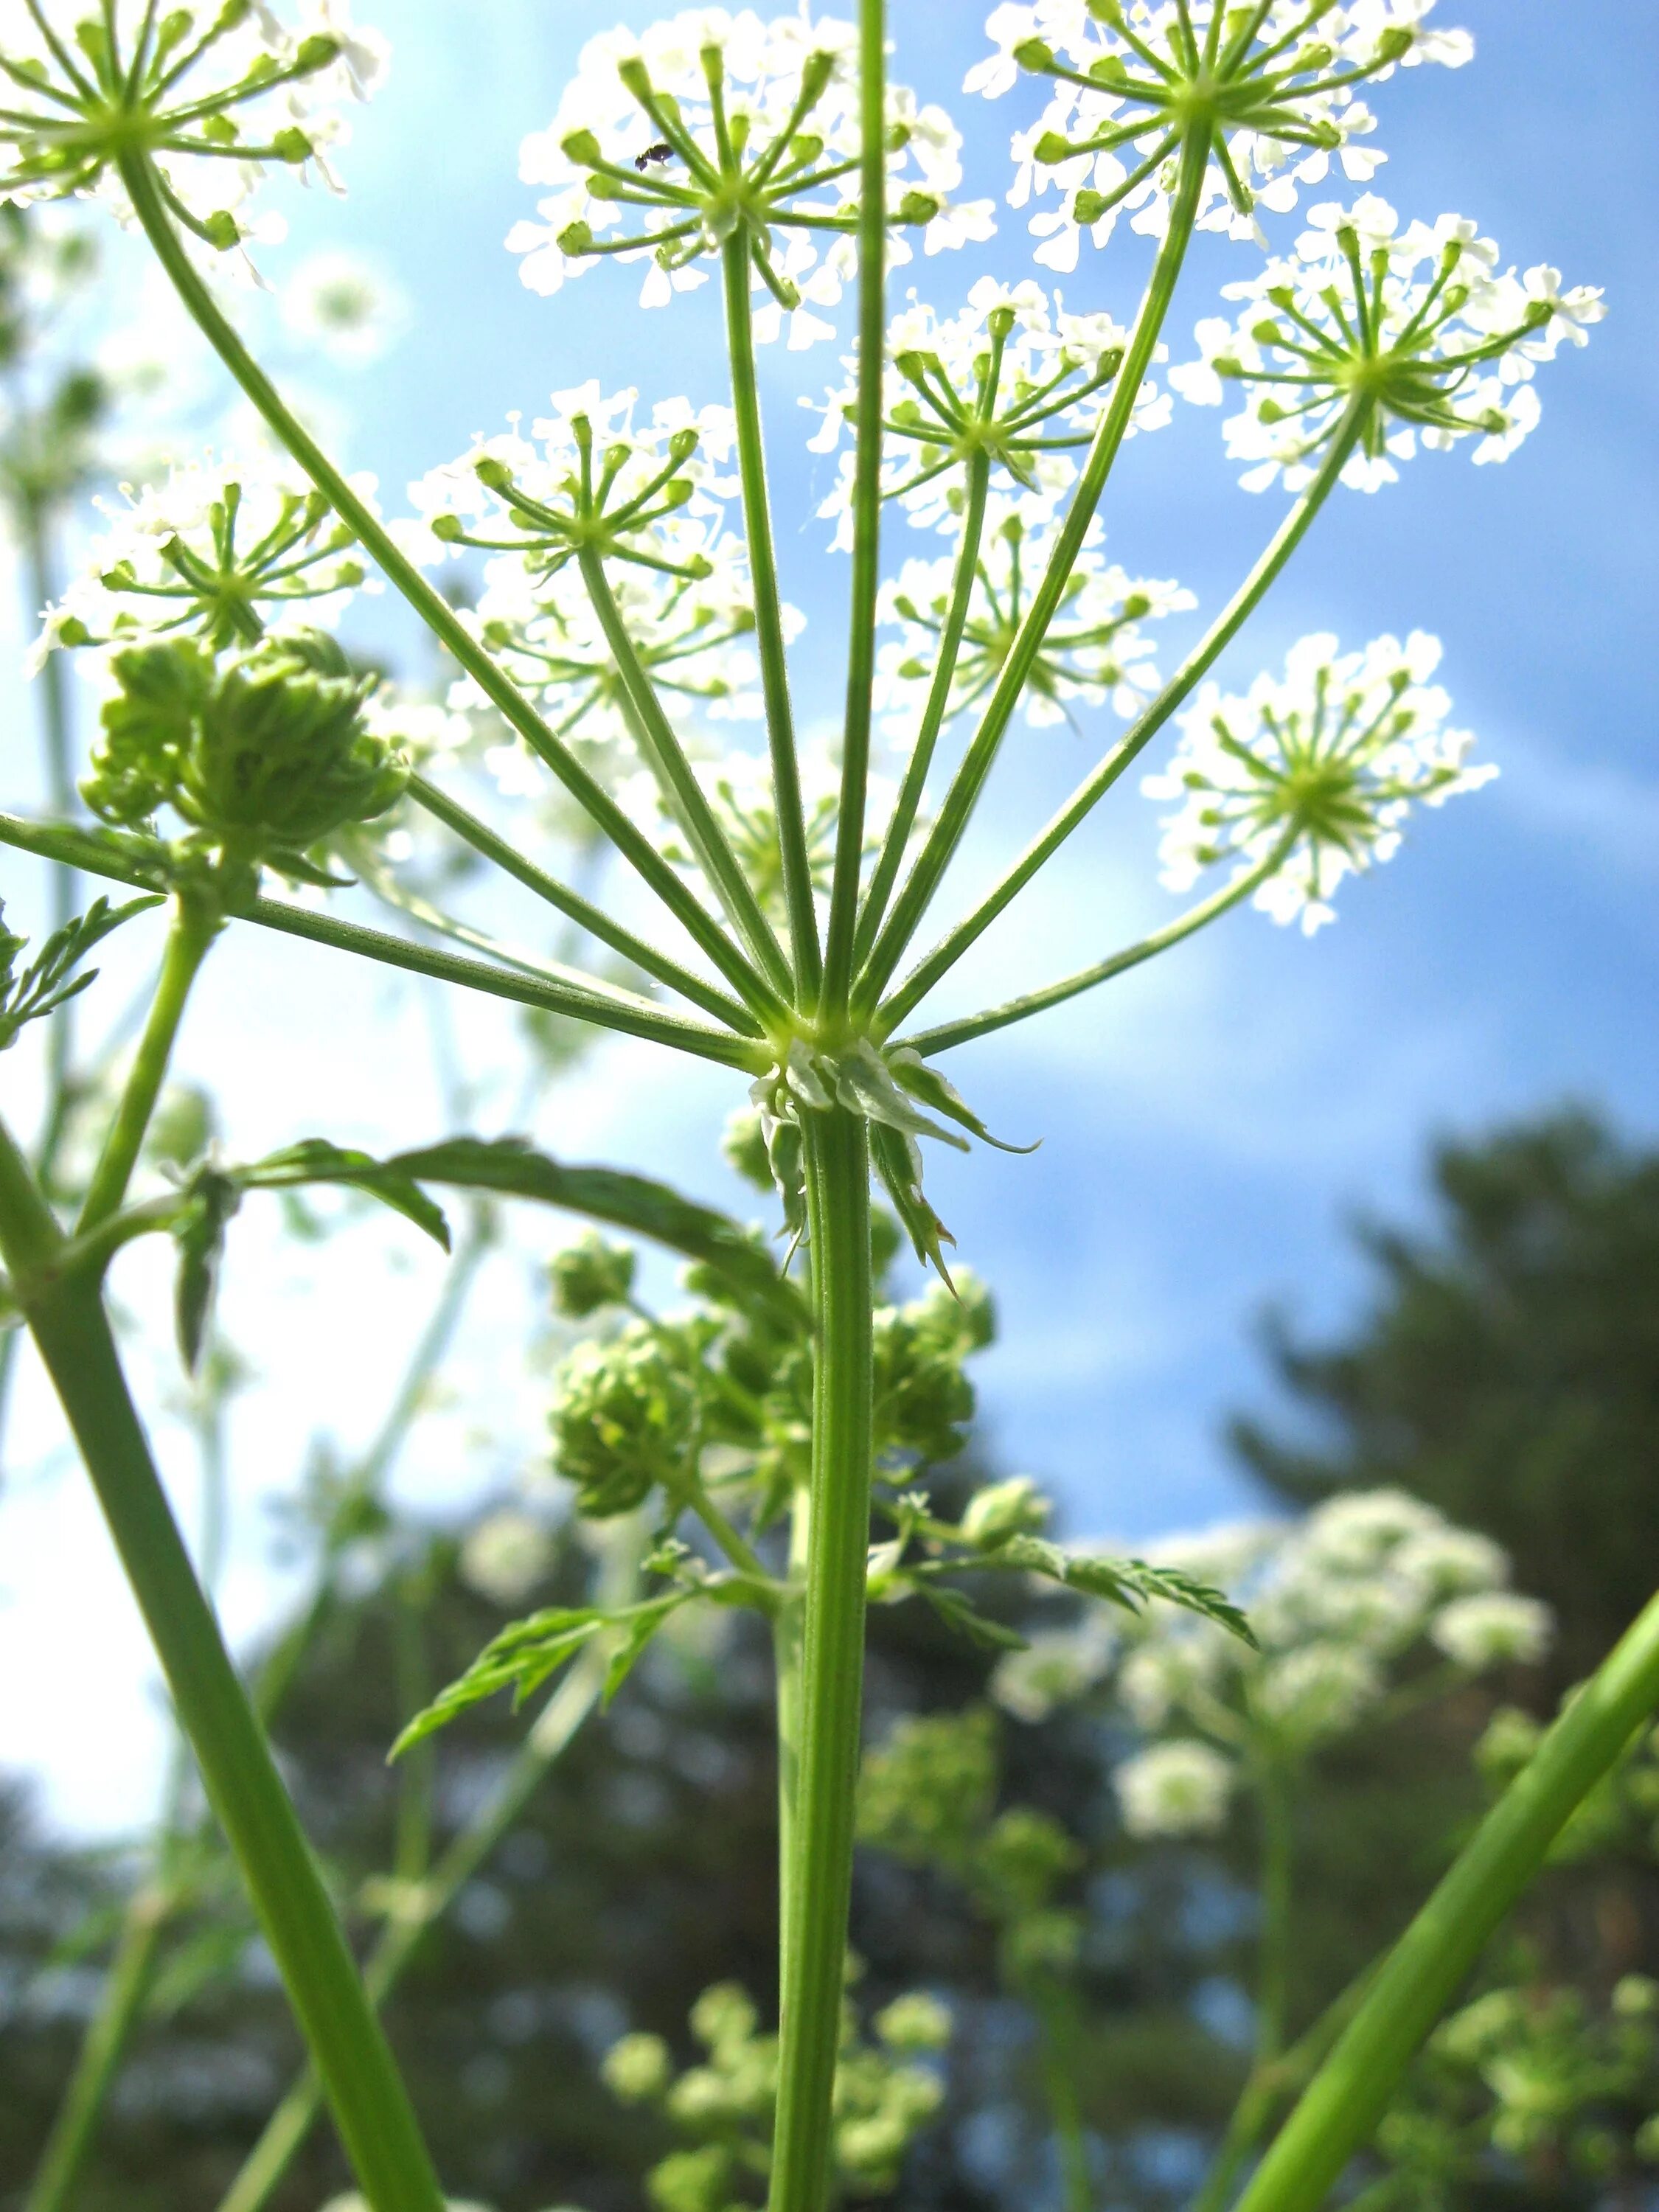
{"x":637,"y":2070}
{"x":576,"y":237}
{"x":222,"y":231}
{"x":591,"y":1273}
{"x":263,"y":754}
{"x":1024,"y":1856}
{"x":1006,"y":1508}
{"x":624,"y":1414}
{"x":1043,"y":1945}
{"x":582,"y":148}
{"x":1088,"y":207}
{"x":692,"y":2180}
{"x":914,"y":2022}
{"x":1034,"y":54}
{"x":724,"y":2018}
{"x":1052,"y":147}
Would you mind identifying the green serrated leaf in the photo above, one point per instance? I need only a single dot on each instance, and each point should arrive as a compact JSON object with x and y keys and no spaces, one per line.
{"x":1128,"y":1582}
{"x":957,"y":1613}
{"x":627,"y":1654}
{"x":520,"y":1659}
{"x":316,"y":1160}
{"x":50,"y":979}
{"x":510,"y":1166}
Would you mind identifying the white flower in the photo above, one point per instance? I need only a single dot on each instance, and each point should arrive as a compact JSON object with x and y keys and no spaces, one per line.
{"x":223,"y":549}
{"x":344,"y":306}
{"x":1493,"y":1628}
{"x":635,"y":144}
{"x":1057,"y":1667}
{"x":1408,"y":335}
{"x":1305,"y":780}
{"x":1179,"y":1666}
{"x":1178,"y":1789}
{"x":217,"y":93}
{"x":589,"y":473}
{"x":1452,"y":1562}
{"x":1318,"y":1690}
{"x":1094,"y":653}
{"x":1278,"y":84}
{"x":506,"y":1556}
{"x":1360,"y":1531}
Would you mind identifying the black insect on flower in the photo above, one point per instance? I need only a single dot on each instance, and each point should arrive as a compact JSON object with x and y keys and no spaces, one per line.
{"x":661,"y":152}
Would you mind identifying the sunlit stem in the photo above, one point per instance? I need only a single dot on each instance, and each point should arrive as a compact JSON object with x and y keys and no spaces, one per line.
{"x":1070,"y":987}
{"x":1094,"y":787}
{"x":960,"y":800}
{"x":819,"y":1887}
{"x":891,"y":857}
{"x":66,"y":1318}
{"x":94,"y":856}
{"x":195,"y":923}
{"x":1421,"y":1975}
{"x":685,"y":796}
{"x":145,"y":191}
{"x":580,"y":911}
{"x":769,"y":623}
{"x":866,"y":506}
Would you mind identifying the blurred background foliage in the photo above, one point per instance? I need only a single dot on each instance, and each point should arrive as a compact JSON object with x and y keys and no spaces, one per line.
{"x":1506,"y":1368}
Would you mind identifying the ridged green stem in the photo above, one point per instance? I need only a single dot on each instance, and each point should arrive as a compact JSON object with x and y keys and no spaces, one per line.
{"x":1337,"y":2114}
{"x":438,"y":616}
{"x":866,"y":506}
{"x":955,"y":814}
{"x":819,"y":1884}
{"x":71,"y":1331}
{"x":807,"y":955}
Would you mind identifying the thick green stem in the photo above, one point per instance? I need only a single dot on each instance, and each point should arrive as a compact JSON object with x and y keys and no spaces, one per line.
{"x":866,"y":505}
{"x":788,"y":1628}
{"x":195,"y":923}
{"x":1057,"y":2028}
{"x":438,"y":616}
{"x":286,"y":2131}
{"x":1094,"y":787}
{"x":68,"y":1322}
{"x":769,"y":622}
{"x":909,"y":804}
{"x":820,"y":1885}
{"x":1349,"y":2094}
{"x":120,"y":2004}
{"x":960,"y":800}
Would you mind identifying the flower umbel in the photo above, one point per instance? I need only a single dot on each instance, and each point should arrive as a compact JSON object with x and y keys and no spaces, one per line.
{"x":709,"y":128}
{"x":89,"y":87}
{"x":1093,"y":651}
{"x":221,"y":551}
{"x":1307,"y":779}
{"x":1270,"y":88}
{"x":1413,"y":326}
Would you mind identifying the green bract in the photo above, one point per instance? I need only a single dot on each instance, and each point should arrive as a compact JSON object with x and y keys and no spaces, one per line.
{"x":263,"y":755}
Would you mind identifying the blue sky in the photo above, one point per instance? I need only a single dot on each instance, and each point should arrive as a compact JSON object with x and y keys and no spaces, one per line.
{"x":1207,"y":1123}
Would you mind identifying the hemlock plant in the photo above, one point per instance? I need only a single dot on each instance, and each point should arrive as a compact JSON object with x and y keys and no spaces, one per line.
{"x":761,"y":1448}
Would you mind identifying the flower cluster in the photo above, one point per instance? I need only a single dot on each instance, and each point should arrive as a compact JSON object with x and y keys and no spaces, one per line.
{"x":588,"y":477}
{"x":690,"y":633}
{"x":1093,"y":653}
{"x":1382,"y":338}
{"x":208,"y":94}
{"x":885,"y":2095}
{"x":711,"y":130}
{"x":1012,"y":377}
{"x":1270,"y":88}
{"x":262,"y":754}
{"x":1306,"y":780}
{"x":1372,"y":1602}
{"x":222,"y":550}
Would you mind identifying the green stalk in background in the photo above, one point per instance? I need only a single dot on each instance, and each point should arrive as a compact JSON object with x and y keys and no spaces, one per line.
{"x":66,"y":1318}
{"x":818,"y":1885}
{"x":1420,"y":1976}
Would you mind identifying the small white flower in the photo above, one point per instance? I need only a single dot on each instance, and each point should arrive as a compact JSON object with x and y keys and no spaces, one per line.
{"x":506,"y":1556}
{"x":344,"y":306}
{"x":1310,"y":778}
{"x":779,"y":168}
{"x":1318,"y":1690}
{"x":1412,"y":326}
{"x":1493,"y":1628}
{"x":1178,"y":1789}
{"x":1057,"y":1667}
